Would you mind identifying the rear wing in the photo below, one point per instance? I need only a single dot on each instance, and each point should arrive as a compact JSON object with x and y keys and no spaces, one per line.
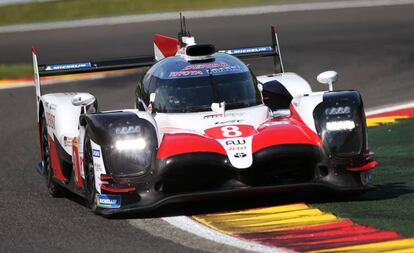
{"x":163,"y":47}
{"x":94,"y":66}
{"x":272,"y":50}
{"x":85,"y":67}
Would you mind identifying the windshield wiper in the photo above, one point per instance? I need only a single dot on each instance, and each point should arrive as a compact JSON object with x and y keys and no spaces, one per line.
{"x":199,"y":108}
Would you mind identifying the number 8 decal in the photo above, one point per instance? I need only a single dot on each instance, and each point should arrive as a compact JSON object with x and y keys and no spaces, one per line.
{"x":231,"y":131}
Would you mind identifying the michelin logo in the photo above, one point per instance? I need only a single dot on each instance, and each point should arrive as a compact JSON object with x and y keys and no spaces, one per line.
{"x":248,"y":50}
{"x":109,"y":201}
{"x":69,"y":66}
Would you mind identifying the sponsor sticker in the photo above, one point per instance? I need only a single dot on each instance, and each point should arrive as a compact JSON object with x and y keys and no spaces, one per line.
{"x":96,"y":152}
{"x":248,"y":50}
{"x":206,"y":66}
{"x":108,"y":201}
{"x":236,"y":142}
{"x":68,"y":66}
{"x":186,"y":73}
{"x":50,"y":120}
{"x":232,"y":121}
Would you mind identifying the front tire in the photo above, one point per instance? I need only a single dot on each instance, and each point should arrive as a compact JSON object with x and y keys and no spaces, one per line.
{"x":90,"y":189}
{"x":54,"y":189}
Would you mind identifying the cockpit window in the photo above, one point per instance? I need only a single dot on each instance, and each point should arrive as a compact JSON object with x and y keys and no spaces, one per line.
{"x":180,"y":86}
{"x":237,"y":90}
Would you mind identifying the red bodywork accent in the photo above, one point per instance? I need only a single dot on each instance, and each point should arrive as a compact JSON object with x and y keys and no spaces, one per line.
{"x":54,"y":160}
{"x":76,"y":163}
{"x":279,"y":131}
{"x":110,"y":189}
{"x":367,"y":166}
{"x":175,"y":144}
{"x":105,"y":185}
{"x":284,"y":130}
{"x":167,"y":45}
{"x":34,"y":50}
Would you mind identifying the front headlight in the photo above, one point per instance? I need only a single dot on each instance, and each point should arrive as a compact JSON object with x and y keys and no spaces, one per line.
{"x":341,"y":125}
{"x":131,"y":145}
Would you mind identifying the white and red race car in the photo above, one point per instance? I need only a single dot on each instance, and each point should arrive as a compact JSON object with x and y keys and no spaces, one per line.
{"x":204,"y":126}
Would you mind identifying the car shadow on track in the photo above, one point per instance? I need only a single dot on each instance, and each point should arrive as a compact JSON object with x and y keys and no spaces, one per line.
{"x":380,"y":192}
{"x":310,"y":196}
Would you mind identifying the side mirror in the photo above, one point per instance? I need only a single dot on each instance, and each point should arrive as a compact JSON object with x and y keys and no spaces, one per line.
{"x":83,"y":99}
{"x":328,"y":77}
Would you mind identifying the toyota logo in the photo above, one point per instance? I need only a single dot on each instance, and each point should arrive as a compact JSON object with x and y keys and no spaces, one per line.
{"x":240,"y":155}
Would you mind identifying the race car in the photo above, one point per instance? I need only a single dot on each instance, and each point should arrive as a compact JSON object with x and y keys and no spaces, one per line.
{"x":203,"y":126}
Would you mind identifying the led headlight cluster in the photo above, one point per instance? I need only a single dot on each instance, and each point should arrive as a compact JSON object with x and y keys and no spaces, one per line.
{"x":339,"y":121}
{"x":341,"y":125}
{"x":129,"y":142}
{"x":132,"y":144}
{"x":339,"y":110}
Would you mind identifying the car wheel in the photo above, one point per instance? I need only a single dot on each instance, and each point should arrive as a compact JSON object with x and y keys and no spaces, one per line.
{"x":90,"y":189}
{"x":54,"y":189}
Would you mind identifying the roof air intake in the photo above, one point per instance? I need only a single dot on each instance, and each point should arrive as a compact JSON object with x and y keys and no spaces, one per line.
{"x":200,"y":50}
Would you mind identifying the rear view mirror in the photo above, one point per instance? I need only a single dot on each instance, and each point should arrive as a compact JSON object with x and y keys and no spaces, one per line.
{"x":328,"y":77}
{"x":83,"y":99}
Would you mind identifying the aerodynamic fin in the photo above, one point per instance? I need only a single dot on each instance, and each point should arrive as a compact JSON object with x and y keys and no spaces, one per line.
{"x":165,"y":46}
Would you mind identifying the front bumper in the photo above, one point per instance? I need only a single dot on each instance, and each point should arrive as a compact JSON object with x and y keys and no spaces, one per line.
{"x":203,"y":176}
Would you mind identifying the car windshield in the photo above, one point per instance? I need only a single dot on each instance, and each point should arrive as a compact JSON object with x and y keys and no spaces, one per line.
{"x":196,"y":94}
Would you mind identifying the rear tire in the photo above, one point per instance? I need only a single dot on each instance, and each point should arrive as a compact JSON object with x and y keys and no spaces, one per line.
{"x":90,"y":189}
{"x":54,"y":189}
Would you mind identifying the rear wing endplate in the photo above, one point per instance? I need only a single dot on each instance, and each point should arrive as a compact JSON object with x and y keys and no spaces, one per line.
{"x":261,"y":51}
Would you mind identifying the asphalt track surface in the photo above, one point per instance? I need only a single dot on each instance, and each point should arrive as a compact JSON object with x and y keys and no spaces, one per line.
{"x":371,"y":48}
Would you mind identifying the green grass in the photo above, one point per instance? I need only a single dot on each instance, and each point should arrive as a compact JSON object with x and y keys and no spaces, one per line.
{"x":16,"y":70}
{"x":80,"y":9}
{"x":391,"y":205}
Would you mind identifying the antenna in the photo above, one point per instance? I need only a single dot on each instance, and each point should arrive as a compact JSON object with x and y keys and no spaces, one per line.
{"x":180,"y":34}
{"x":183,"y":30}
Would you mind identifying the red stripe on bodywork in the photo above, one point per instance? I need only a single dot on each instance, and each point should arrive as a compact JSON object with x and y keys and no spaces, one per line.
{"x":167,"y":45}
{"x":367,"y":166}
{"x":76,"y":163}
{"x":284,"y":130}
{"x":54,"y":160}
{"x":119,"y":190}
{"x":175,"y":144}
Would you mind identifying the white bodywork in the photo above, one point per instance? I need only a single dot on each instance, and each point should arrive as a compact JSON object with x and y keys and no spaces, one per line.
{"x":293,"y":83}
{"x":63,"y":120}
